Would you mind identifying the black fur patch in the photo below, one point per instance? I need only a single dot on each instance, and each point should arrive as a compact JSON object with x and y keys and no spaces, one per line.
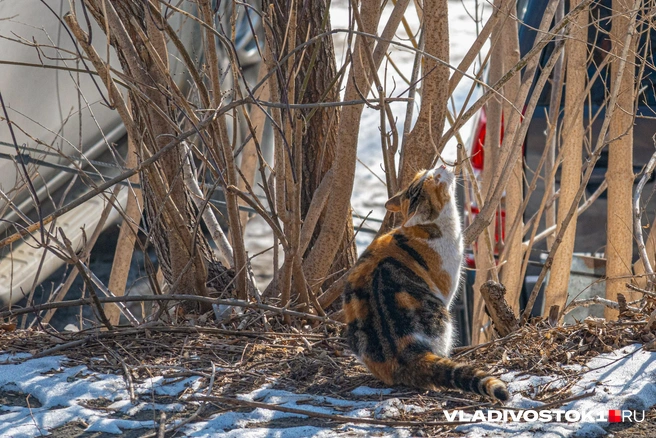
{"x":402,"y":243}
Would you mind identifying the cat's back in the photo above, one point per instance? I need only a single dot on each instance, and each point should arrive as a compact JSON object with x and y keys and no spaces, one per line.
{"x":418,"y":256}
{"x":390,"y":295}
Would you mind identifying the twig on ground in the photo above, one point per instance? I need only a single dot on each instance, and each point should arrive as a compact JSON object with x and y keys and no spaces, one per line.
{"x":642,"y":291}
{"x":335,"y":418}
{"x":595,"y":300}
{"x":60,"y":347}
{"x":463,"y":351}
{"x":126,"y":371}
{"x":128,"y":381}
{"x":504,"y":319}
{"x":162,"y":423}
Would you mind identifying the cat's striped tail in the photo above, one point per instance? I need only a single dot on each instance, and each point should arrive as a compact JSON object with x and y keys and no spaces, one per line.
{"x":425,"y":370}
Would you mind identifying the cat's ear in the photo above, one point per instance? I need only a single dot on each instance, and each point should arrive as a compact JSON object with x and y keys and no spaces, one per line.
{"x":393,"y":204}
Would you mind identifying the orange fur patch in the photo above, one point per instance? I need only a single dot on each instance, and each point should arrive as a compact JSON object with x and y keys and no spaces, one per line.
{"x":427,"y":359}
{"x":432,"y":259}
{"x":355,"y":309}
{"x":435,"y":277}
{"x":416,"y":233}
{"x":440,"y":196}
{"x":380,"y":244}
{"x":403,"y":342}
{"x":406,"y":301}
{"x":440,"y":373}
{"x":360,"y":275}
{"x":382,"y":370}
{"x":442,"y":280}
{"x":405,"y":206}
{"x":491,"y":384}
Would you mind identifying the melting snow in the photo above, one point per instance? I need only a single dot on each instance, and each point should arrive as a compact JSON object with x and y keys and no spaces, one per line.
{"x":64,"y":393}
{"x":623,"y":379}
{"x":61,"y":393}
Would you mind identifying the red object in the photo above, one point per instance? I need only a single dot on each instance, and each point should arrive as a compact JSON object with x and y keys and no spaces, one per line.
{"x":479,"y":140}
{"x":477,"y":156}
{"x":614,"y":416}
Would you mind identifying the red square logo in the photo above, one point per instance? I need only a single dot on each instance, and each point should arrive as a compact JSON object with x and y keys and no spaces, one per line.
{"x":614,"y":416}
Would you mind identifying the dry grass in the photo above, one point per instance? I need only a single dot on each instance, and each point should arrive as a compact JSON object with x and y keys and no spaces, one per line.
{"x":315,"y":360}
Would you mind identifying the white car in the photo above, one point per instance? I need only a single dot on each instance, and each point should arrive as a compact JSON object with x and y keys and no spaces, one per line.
{"x":61,"y":124}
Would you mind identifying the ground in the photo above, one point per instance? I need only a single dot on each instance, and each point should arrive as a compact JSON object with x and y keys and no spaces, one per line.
{"x":646,"y":429}
{"x":212,"y":381}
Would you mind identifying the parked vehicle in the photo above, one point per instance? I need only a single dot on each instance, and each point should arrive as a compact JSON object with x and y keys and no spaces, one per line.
{"x":591,"y":226}
{"x":62,"y":124}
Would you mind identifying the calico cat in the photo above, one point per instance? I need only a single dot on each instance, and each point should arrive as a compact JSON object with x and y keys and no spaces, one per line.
{"x":398,"y":294}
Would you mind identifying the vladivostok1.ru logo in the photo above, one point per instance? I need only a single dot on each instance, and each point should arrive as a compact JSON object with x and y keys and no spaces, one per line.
{"x":621,"y":416}
{"x":544,"y":416}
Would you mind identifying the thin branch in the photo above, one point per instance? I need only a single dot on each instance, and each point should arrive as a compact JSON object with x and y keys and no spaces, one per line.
{"x":106,"y":185}
{"x":173,"y":297}
{"x":595,"y":300}
{"x":75,"y":259}
{"x":642,"y":291}
{"x":637,"y":223}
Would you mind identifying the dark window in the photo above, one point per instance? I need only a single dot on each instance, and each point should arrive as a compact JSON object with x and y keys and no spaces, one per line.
{"x":599,"y":46}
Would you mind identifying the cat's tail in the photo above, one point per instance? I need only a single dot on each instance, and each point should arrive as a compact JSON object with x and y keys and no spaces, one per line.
{"x":425,"y":370}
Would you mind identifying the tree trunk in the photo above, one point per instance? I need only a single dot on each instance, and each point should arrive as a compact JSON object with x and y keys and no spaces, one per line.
{"x":511,"y":276}
{"x":552,"y":137}
{"x":165,"y":190}
{"x":419,"y":148}
{"x":222,"y":150}
{"x":249,"y":156}
{"x":483,"y":251}
{"x":316,"y":82}
{"x":619,"y":243}
{"x":309,"y":133}
{"x":167,"y":201}
{"x":320,"y":257}
{"x":572,"y":144}
{"x":126,"y":239}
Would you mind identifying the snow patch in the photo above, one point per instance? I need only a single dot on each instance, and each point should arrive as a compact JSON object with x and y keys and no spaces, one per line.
{"x":364,"y":391}
{"x":65,"y":392}
{"x":623,"y":379}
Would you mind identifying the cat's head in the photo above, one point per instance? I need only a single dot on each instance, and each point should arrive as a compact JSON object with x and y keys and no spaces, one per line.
{"x":426,"y":196}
